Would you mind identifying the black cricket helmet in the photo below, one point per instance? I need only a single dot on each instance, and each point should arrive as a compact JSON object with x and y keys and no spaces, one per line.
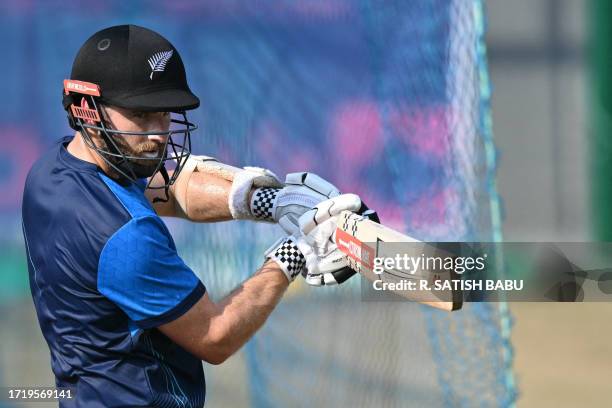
{"x":134,"y":68}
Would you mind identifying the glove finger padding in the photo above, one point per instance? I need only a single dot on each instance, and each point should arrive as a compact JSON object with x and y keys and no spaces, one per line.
{"x":320,"y":239}
{"x":302,"y":192}
{"x":333,"y":269}
{"x":327,"y":209}
{"x":330,"y":278}
{"x":330,"y":265}
{"x":296,"y":255}
{"x":313,"y":182}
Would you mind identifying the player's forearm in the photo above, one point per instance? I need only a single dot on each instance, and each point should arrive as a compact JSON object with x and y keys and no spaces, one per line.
{"x":246,"y":309}
{"x":206,"y":199}
{"x":208,"y":190}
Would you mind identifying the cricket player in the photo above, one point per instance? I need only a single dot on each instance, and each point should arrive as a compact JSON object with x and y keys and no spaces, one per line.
{"x":127,"y":322}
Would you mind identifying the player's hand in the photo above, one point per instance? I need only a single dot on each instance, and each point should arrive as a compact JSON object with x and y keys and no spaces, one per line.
{"x":333,"y":268}
{"x":284,"y":206}
{"x":317,"y":226}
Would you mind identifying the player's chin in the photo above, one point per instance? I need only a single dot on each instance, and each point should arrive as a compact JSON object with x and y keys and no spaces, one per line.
{"x":146,"y":167}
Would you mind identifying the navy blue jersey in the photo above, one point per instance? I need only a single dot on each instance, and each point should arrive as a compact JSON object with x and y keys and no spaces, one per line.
{"x":104,"y":272}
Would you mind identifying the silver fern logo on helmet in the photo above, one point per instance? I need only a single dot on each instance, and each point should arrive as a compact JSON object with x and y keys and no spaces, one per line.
{"x":158,"y":62}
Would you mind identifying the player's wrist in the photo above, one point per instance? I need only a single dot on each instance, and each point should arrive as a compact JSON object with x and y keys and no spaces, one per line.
{"x":288,"y":256}
{"x":240,"y":195}
{"x":274,"y":271}
{"x":263,"y":203}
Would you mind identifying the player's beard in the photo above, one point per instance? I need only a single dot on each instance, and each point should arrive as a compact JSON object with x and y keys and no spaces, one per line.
{"x":143,"y":167}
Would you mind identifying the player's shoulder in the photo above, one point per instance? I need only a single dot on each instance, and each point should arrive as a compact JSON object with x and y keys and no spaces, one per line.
{"x":56,"y":169}
{"x":131,"y":196}
{"x":142,"y":235}
{"x":65,"y":193}
{"x":62,"y":180}
{"x":144,"y":229}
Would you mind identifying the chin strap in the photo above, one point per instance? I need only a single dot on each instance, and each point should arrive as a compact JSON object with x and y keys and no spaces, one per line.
{"x":164,"y":174}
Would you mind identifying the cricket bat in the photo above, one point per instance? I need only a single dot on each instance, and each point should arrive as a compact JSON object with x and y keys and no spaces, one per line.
{"x":361,"y":239}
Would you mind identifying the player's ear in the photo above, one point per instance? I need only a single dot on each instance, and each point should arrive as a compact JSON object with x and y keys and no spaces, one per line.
{"x":85,"y":105}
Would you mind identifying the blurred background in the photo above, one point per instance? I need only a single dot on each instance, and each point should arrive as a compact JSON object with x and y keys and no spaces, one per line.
{"x":485,"y":137}
{"x":550,"y":62}
{"x":539,"y":70}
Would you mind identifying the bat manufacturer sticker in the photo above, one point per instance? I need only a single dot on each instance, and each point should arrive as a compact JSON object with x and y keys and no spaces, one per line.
{"x":355,"y":249}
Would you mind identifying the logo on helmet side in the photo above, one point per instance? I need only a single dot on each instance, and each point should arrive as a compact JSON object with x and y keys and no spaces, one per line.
{"x":71,"y":85}
{"x":158,"y":61}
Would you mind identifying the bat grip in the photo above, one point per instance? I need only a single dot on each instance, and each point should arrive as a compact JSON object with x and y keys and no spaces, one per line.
{"x":343,"y":274}
{"x":346,"y":272}
{"x":370,"y":214}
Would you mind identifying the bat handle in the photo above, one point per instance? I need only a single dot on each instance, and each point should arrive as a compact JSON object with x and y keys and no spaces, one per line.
{"x":370,"y":214}
{"x":343,"y":274}
{"x":346,"y":272}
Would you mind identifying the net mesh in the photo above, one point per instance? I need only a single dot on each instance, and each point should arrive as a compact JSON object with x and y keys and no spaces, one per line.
{"x":389,"y":100}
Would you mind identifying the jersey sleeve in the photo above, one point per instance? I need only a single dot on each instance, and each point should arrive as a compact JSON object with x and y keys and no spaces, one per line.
{"x":141,"y":272}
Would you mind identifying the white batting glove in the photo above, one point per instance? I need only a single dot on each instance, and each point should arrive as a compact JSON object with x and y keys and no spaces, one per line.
{"x":325,"y":267}
{"x":330,"y":270}
{"x":300,"y":255}
{"x":331,"y":266}
{"x":301,"y":193}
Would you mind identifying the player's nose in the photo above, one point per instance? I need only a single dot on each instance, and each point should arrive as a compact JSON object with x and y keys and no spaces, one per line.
{"x":157,"y":138}
{"x":159,"y":121}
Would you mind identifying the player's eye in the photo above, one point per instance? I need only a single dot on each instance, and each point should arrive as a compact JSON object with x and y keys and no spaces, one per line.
{"x":146,"y":115}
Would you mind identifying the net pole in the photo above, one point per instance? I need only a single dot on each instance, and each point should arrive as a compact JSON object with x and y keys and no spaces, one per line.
{"x":505,"y":317}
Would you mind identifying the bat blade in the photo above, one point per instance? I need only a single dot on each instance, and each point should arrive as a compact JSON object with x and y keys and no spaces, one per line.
{"x":363,"y":240}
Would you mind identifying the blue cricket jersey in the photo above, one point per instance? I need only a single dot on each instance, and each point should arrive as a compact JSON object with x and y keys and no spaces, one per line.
{"x":104,"y":272}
